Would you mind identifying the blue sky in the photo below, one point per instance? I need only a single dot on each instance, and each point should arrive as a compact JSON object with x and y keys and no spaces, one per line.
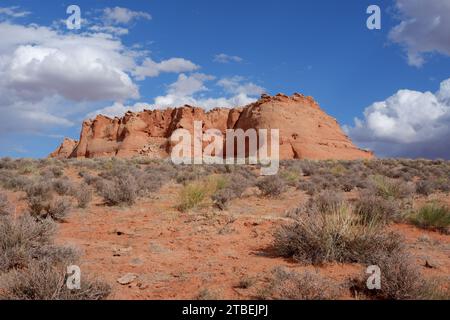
{"x":318,"y":48}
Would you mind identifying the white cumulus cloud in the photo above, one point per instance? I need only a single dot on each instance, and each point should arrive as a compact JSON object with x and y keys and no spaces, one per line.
{"x":118,"y":109}
{"x":190,"y":90}
{"x":13,"y":12}
{"x":424,"y":28}
{"x":47,"y":75}
{"x":235,"y":85}
{"x":119,"y":15}
{"x":408,"y":124}
{"x":150,"y":68}
{"x":225,"y":58}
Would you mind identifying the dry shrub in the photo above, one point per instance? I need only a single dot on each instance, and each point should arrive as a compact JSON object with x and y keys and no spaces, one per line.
{"x":42,"y":207}
{"x":308,"y":186}
{"x":149,"y":182}
{"x":401,"y":280}
{"x":62,"y":186}
{"x":39,"y":197}
{"x":7,"y":163}
{"x":83,"y":194}
{"x":14,"y":182}
{"x":231,"y":188}
{"x":323,"y":202}
{"x":327,"y":201}
{"x":39,"y":188}
{"x":23,"y":239}
{"x":339,"y":236}
{"x":120,"y":190}
{"x":291,"y":285}
{"x":88,"y":178}
{"x":246,"y":282}
{"x":33,"y":268}
{"x":208,"y":294}
{"x":425,"y":187}
{"x":372,"y":207}
{"x":58,"y":210}
{"x":271,"y":186}
{"x":5,"y":206}
{"x":52,"y":172}
{"x":43,"y":280}
{"x":222,"y":198}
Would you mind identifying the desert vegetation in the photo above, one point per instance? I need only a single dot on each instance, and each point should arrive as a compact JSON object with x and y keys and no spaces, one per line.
{"x":313,"y":214}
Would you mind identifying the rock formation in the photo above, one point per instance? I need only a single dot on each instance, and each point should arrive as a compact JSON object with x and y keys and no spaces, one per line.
{"x":306,"y":132}
{"x":65,"y":149}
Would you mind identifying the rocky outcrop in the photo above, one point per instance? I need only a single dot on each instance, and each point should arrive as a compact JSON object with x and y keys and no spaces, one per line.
{"x":306,"y":131}
{"x":65,"y":149}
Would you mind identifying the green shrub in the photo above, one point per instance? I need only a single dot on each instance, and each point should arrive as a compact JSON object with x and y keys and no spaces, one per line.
{"x":291,"y":177}
{"x":390,"y":188}
{"x":432,"y":216}
{"x":192,"y":195}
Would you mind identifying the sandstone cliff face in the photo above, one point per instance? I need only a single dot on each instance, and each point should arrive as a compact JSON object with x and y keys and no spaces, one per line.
{"x":306,"y":132}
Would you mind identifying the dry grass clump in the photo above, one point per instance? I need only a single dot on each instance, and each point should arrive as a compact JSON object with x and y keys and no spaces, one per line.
{"x":192,"y":195}
{"x":291,"y":177}
{"x":389,"y":188}
{"x":271,"y":186}
{"x":215,"y":187}
{"x":433,"y":216}
{"x":291,"y":285}
{"x":339,"y":235}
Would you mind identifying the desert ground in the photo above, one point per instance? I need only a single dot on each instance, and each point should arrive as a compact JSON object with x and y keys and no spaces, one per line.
{"x":147,"y":229}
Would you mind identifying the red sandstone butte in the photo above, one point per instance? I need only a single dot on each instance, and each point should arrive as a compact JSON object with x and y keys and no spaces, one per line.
{"x":306,"y":131}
